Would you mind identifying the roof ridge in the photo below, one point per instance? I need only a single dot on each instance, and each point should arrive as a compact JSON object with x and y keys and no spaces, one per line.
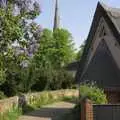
{"x":111,"y":11}
{"x":109,"y":8}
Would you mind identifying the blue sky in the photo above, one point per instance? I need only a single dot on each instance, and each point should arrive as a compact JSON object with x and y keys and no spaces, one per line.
{"x":76,"y":16}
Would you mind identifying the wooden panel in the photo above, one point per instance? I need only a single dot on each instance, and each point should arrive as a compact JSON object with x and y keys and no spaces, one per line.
{"x":116,"y":113}
{"x":106,"y":112}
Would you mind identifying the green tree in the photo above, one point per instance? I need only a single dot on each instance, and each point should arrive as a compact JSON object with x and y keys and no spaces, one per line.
{"x":46,"y":47}
{"x":55,"y":50}
{"x":80,"y":52}
{"x":10,"y":31}
{"x":64,"y":47}
{"x":16,"y":30}
{"x":29,"y":9}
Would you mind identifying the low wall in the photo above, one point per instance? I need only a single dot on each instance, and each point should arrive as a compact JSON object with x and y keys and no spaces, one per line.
{"x":7,"y":104}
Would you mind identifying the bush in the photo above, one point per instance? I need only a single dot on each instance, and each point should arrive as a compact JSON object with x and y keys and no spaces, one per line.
{"x":46,"y":97}
{"x":92,"y":92}
{"x":11,"y":114}
{"x":2,"y":95}
{"x":61,"y":79}
{"x":43,"y":99}
{"x":52,"y":79}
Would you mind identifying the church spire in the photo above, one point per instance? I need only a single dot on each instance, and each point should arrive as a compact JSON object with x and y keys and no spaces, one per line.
{"x":56,"y":17}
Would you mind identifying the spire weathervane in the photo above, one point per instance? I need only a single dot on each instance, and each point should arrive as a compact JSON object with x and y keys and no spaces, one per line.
{"x":56,"y":17}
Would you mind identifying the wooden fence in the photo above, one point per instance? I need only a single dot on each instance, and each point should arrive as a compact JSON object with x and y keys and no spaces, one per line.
{"x":106,"y":112}
{"x":91,"y":111}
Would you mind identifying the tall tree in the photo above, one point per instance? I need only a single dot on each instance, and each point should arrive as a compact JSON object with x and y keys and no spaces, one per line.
{"x":44,"y":55}
{"x":64,"y":47}
{"x":10,"y":31}
{"x":19,"y":37}
{"x":56,"y":49}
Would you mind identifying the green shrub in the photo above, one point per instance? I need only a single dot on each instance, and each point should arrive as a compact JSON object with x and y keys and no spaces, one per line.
{"x":2,"y":95}
{"x":11,"y":114}
{"x":92,"y":92}
{"x":43,"y":99}
{"x":61,"y":79}
{"x":52,"y":79}
{"x":69,"y":98}
{"x":74,"y":86}
{"x":48,"y":98}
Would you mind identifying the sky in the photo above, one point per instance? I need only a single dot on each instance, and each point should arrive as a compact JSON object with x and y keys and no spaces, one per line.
{"x":75,"y":15}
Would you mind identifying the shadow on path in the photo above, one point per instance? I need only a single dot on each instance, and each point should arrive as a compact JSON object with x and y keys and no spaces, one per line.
{"x":51,"y":112}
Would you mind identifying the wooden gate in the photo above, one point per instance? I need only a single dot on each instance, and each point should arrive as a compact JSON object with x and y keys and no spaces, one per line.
{"x":106,"y":112}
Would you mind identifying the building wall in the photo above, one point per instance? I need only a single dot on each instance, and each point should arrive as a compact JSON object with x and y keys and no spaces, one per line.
{"x":110,"y":40}
{"x":102,"y":68}
{"x":102,"y":64}
{"x":113,"y":96}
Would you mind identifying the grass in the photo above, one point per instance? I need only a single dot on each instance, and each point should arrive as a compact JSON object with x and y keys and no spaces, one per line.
{"x":43,"y":99}
{"x":48,"y":98}
{"x":11,"y":114}
{"x":69,"y":98}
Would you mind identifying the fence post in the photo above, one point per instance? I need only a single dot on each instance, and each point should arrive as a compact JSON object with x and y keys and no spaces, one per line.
{"x":86,"y":110}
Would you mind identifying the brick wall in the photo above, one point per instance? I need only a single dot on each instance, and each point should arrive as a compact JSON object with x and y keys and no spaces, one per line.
{"x":86,"y":110}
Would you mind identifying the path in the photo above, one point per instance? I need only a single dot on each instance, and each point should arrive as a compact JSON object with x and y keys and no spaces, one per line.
{"x":50,"y":112}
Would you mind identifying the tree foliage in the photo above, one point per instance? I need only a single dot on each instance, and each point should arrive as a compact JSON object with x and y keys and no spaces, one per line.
{"x":52,"y":79}
{"x":80,"y":52}
{"x":64,"y":47}
{"x":10,"y":31}
{"x":31,"y":59}
{"x":18,"y":40}
{"x":56,"y":48}
{"x":45,"y":51}
{"x":29,"y":9}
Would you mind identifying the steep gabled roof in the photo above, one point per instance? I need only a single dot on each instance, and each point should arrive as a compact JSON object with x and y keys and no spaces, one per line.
{"x":112,"y":17}
{"x":114,"y":14}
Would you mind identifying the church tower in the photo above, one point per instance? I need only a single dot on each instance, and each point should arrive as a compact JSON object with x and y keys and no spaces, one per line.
{"x":56,"y":17}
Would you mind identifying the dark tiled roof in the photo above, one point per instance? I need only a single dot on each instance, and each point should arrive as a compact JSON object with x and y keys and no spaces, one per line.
{"x":114,"y":14}
{"x":112,"y":17}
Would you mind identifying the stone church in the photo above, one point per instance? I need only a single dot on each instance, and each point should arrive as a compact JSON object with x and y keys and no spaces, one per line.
{"x":100,"y":62}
